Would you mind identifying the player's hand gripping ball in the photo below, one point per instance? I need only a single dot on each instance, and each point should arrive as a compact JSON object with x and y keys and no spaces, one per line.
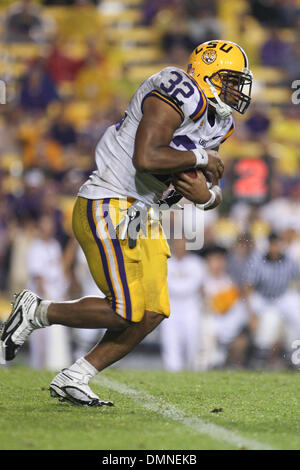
{"x":192,"y":173}
{"x":194,"y":184}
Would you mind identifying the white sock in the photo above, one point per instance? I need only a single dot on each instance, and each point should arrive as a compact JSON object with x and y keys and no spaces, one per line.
{"x":84,"y":367}
{"x":40,"y":315}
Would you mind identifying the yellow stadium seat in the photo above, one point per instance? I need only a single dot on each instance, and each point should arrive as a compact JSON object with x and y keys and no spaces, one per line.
{"x":138,"y":35}
{"x":274,"y":95}
{"x":77,"y":22}
{"x":138,"y":73}
{"x":79,"y":113}
{"x":127,"y":2}
{"x":141,"y":54}
{"x":13,"y":69}
{"x":268,"y":74}
{"x":24,"y":51}
{"x":228,"y":10}
{"x":126,"y":16}
{"x":10,"y":161}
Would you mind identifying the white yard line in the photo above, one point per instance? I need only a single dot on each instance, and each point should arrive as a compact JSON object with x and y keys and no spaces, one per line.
{"x":170,"y":411}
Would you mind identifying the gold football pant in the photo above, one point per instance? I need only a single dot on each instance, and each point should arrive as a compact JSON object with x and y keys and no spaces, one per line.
{"x":133,"y":279}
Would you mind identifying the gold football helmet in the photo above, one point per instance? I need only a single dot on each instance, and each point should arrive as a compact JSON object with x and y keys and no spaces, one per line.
{"x":221,"y":69}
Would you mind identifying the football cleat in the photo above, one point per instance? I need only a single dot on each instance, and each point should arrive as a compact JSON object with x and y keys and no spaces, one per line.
{"x":72,"y":387}
{"x":19,"y":325}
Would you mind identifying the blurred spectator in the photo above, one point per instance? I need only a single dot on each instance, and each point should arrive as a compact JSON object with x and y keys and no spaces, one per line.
{"x":7,"y":226}
{"x":70,"y":2}
{"x":203,"y":26}
{"x":274,"y":308}
{"x":284,"y":212}
{"x":258,"y":123}
{"x":61,"y":67}
{"x":225,"y":313}
{"x":50,"y":347}
{"x":62,"y":130}
{"x":282,"y":14}
{"x":274,"y":50}
{"x":29,"y":203}
{"x":22,"y":236}
{"x":82,"y":284}
{"x":238,"y":258}
{"x":180,"y":333}
{"x":192,"y":7}
{"x":291,"y":61}
{"x":46,"y":151}
{"x":100,"y":120}
{"x":24,"y":23}
{"x":286,"y":129}
{"x":291,"y":241}
{"x":85,"y":338}
{"x":152,"y":7}
{"x":71,"y":181}
{"x":177,"y":42}
{"x":92,"y":82}
{"x":50,"y":207}
{"x":267,"y":12}
{"x":45,"y":262}
{"x":37,"y":88}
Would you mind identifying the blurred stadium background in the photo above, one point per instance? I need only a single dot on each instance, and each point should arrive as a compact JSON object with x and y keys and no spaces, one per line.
{"x":70,"y":67}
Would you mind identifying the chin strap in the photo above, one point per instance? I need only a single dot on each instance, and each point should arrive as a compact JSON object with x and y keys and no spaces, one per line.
{"x":222,"y":109}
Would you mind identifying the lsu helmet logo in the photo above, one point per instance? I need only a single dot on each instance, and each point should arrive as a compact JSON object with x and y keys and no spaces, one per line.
{"x":209,"y":56}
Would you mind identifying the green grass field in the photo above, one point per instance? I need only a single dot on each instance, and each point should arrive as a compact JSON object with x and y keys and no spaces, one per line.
{"x":154,"y":410}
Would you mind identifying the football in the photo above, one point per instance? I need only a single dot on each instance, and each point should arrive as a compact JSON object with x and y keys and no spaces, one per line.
{"x":191,"y":172}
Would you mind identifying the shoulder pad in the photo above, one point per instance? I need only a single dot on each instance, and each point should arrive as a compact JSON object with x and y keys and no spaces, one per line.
{"x":181,"y":89}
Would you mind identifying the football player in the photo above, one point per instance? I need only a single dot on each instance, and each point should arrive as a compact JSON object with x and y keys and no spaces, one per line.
{"x":174,"y":122}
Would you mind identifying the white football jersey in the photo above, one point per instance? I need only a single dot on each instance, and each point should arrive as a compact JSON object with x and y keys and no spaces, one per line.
{"x":115,"y":175}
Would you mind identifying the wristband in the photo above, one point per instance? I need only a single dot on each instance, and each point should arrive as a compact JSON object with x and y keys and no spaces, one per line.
{"x":201,"y":157}
{"x":214,"y":192}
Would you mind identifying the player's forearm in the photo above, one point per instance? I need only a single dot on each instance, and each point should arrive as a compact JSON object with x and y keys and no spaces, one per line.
{"x":164,"y":160}
{"x":152,"y":151}
{"x":217,"y":202}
